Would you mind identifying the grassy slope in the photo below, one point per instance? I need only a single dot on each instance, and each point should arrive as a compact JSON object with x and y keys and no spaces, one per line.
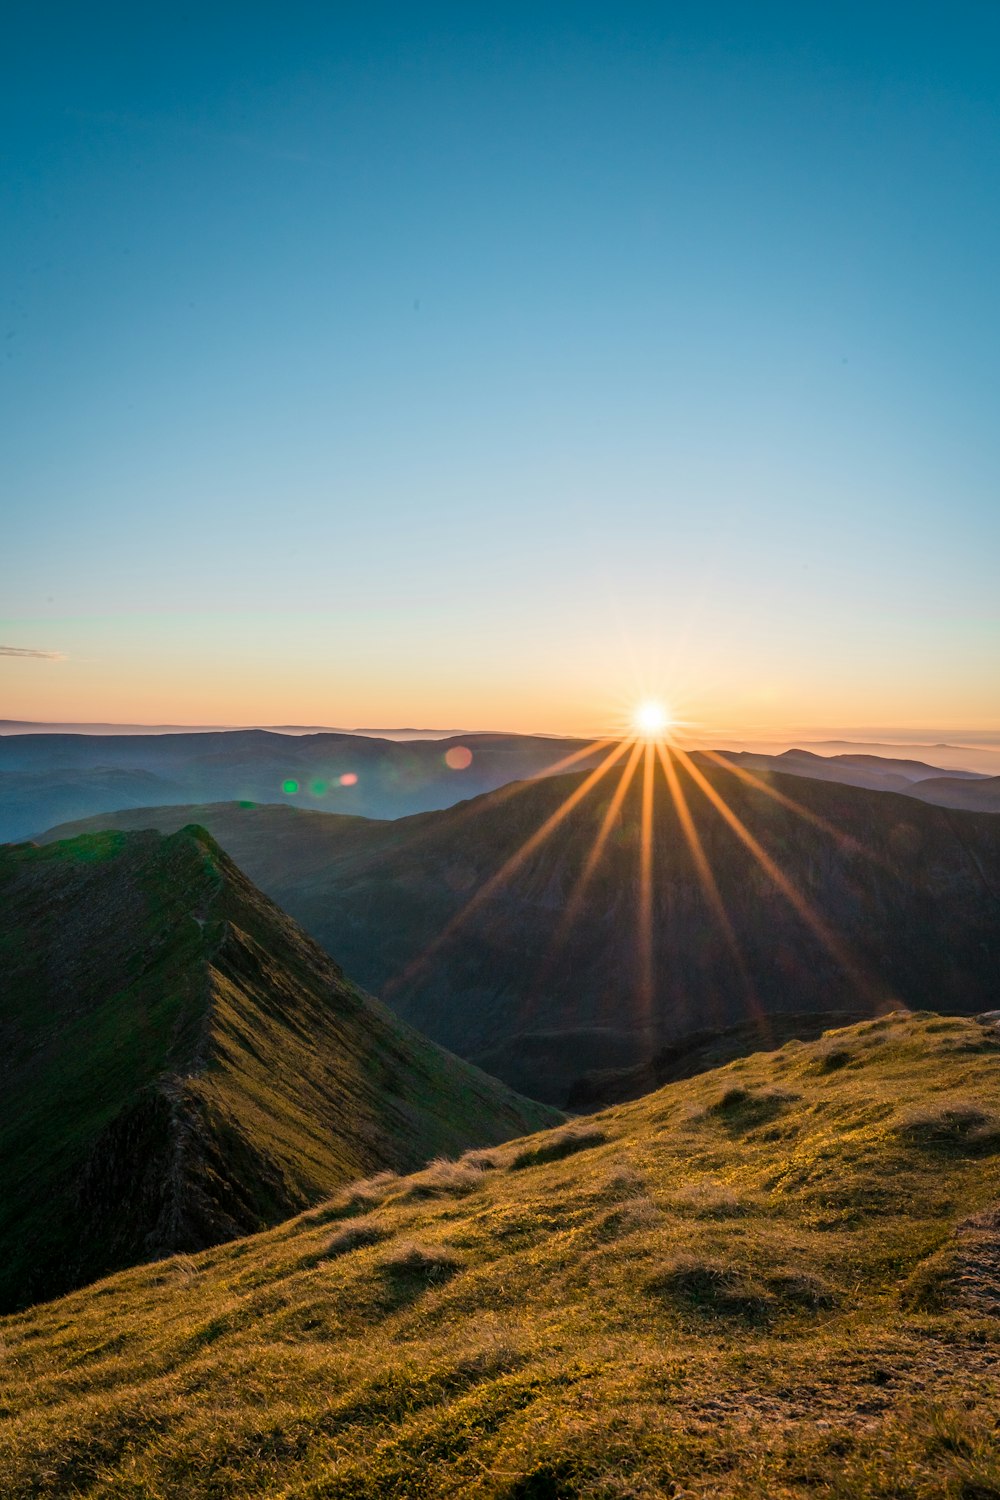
{"x":182,"y":1064}
{"x":753,"y":1283}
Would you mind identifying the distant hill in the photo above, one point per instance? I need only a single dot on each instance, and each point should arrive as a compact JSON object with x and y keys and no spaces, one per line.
{"x":778,"y":1279}
{"x":181,"y":1064}
{"x":54,"y":778}
{"x":977,"y":796}
{"x":77,"y":794}
{"x":877,"y":773}
{"x":910,"y":892}
{"x":51,"y":778}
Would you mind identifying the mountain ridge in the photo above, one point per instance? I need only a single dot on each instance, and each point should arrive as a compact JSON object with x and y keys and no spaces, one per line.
{"x":909,"y":889}
{"x":183,"y":1064}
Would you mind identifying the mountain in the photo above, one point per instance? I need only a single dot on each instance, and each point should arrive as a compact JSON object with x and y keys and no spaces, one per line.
{"x":35,"y":726}
{"x":982,"y":795}
{"x":876,"y":772}
{"x":971,"y":750}
{"x":77,"y":794}
{"x":181,"y":1064}
{"x":779,"y":1279}
{"x":54,"y":778}
{"x":871,"y":900}
{"x":68,"y":775}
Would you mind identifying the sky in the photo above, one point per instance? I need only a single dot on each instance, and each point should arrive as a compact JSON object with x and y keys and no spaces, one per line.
{"x":495,"y":366}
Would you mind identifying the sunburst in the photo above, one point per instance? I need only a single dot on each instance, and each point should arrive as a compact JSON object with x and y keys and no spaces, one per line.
{"x":652,"y":742}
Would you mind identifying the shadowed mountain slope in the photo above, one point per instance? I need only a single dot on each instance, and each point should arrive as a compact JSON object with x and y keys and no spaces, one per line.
{"x":181,"y":1064}
{"x":774,"y":1280}
{"x":909,"y":893}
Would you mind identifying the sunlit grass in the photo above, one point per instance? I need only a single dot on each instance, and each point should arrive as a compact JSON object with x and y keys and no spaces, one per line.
{"x":747,"y":1284}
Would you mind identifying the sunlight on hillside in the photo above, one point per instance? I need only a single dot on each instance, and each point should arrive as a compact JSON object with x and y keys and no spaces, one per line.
{"x":654,"y":741}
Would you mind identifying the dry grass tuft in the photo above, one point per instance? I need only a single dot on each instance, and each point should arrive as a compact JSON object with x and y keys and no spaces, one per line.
{"x":429,"y":1264}
{"x":631,"y":1216}
{"x":358,"y":1198}
{"x":486,"y":1161}
{"x":445,"y":1179}
{"x":557,"y":1144}
{"x":708,"y":1200}
{"x":722,"y":1288}
{"x":354,"y":1236}
{"x":832,"y":1057}
{"x":955,"y":1125}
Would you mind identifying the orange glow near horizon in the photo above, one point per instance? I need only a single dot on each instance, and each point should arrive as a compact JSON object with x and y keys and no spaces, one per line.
{"x":129,"y":677}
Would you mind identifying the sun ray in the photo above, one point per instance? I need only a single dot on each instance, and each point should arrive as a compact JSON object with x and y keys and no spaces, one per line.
{"x":707,"y":879}
{"x":572,"y":908}
{"x":796,"y":900}
{"x":516,"y":788}
{"x":595,"y":748}
{"x":741,"y":772}
{"x":644,"y":933}
{"x":507,"y":869}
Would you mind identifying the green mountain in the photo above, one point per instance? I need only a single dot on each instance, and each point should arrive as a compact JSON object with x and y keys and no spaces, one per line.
{"x":885,"y":901}
{"x":774,"y":1281}
{"x":182,"y":1065}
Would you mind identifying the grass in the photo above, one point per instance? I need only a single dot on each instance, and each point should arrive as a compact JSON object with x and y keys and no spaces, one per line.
{"x":710,"y":1298}
{"x":183,"y":1065}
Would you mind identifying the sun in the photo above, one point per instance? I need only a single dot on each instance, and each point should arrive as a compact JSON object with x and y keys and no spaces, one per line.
{"x":652,"y":719}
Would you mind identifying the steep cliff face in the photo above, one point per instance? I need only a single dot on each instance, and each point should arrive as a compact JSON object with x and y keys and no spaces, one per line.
{"x":182,"y":1064}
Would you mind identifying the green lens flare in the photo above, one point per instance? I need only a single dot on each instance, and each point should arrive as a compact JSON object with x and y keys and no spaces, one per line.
{"x":290,"y":787}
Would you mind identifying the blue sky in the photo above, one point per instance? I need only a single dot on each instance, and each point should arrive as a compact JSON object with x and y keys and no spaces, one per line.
{"x":477,"y":364}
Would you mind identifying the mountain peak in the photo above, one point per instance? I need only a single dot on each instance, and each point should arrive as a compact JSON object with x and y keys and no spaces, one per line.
{"x":183,"y":1064}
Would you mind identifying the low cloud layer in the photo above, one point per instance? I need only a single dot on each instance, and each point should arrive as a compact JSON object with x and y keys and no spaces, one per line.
{"x":26,"y":651}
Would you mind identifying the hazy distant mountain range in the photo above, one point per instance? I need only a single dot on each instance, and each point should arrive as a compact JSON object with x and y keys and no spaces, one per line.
{"x":52,"y":778}
{"x":181,"y":1064}
{"x":906,"y":898}
{"x":32,"y":726}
